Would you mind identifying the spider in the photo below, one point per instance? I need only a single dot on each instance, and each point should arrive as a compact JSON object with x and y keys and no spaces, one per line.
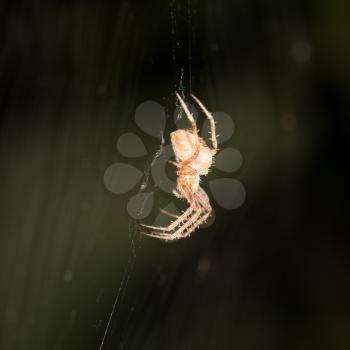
{"x":193,"y":159}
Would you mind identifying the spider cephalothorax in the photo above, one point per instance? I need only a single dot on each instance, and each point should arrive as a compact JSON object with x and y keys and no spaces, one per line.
{"x":193,"y":159}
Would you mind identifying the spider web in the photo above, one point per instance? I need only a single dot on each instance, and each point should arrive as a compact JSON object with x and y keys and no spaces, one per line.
{"x":177,"y":45}
{"x":135,"y":245}
{"x":134,"y":236}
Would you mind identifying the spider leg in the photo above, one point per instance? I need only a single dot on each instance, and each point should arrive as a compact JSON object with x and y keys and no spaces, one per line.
{"x":169,"y":214}
{"x":185,"y":220}
{"x":204,"y":201}
{"x":194,"y":130}
{"x":203,"y":198}
{"x":192,"y":219}
{"x":174,"y":224}
{"x":188,"y":113}
{"x":166,"y":233}
{"x":200,"y":210}
{"x":177,"y":164}
{"x":177,"y":234}
{"x":185,"y":192}
{"x":211,"y":122}
{"x":200,"y":220}
{"x":162,"y":236}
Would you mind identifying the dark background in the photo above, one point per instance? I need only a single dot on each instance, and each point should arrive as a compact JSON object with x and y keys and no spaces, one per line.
{"x":270,"y":275}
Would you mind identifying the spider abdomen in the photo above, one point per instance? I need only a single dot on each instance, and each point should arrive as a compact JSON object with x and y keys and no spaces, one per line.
{"x":187,"y":144}
{"x":203,"y":162}
{"x":184,"y":143}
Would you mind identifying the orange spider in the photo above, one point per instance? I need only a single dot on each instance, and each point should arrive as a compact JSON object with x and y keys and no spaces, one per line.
{"x":193,"y":159}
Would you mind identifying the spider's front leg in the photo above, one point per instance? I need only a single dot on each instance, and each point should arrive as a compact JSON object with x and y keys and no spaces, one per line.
{"x":211,"y":120}
{"x":188,"y":114}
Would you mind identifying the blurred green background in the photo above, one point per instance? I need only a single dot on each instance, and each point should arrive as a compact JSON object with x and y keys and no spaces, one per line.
{"x":273,"y":274}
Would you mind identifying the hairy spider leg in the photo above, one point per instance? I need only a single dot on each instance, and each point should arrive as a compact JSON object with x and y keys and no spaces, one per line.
{"x":179,"y":232}
{"x":211,"y":122}
{"x":175,"y":223}
{"x":188,"y":113}
{"x":203,"y":199}
{"x":195,"y":132}
{"x":184,"y":192}
{"x":195,"y":225}
{"x":166,"y":232}
{"x":166,"y":212}
{"x":202,"y":212}
{"x":204,"y":208}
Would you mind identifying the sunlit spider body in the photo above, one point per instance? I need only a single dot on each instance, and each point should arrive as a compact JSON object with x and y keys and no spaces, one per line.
{"x":193,"y":159}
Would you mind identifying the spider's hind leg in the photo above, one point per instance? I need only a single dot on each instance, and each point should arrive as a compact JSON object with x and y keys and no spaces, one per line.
{"x":206,"y":210}
{"x":173,"y":225}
